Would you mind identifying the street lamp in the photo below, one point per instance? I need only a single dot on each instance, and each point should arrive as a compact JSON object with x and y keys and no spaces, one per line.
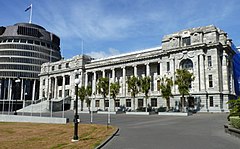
{"x":0,"y":90}
{"x":76,"y":116}
{"x":17,"y":81}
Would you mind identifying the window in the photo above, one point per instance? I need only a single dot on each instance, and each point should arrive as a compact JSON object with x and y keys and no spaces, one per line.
{"x":67,"y":65}
{"x":97,"y":103}
{"x":43,"y":94}
{"x":210,"y":79}
{"x":117,"y":103}
{"x":43,"y":82}
{"x":10,"y":40}
{"x":16,"y":40}
{"x":52,"y":68}
{"x":128,"y":102}
{"x":158,"y":69}
{"x":158,"y":85}
{"x":211,"y":101}
{"x":187,"y":64}
{"x":59,"y":81}
{"x":67,"y":80}
{"x":37,"y":42}
{"x":66,"y":93}
{"x":23,"y":40}
{"x":43,"y":44}
{"x":186,"y":41}
{"x":209,"y":61}
{"x":60,"y":93}
{"x":140,"y":102}
{"x":60,"y":66}
{"x":30,"y":41}
{"x":154,"y":102}
{"x":168,"y":66}
{"x":106,"y":103}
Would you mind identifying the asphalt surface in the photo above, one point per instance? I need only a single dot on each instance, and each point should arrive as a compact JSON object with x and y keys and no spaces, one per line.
{"x":199,"y":131}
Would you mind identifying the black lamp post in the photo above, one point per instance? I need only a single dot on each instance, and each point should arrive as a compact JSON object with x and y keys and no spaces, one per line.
{"x":76,"y":116}
{"x":17,"y":81}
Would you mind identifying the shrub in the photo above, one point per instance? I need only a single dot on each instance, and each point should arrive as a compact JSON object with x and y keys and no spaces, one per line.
{"x":162,"y":109}
{"x":235,"y":107}
{"x":143,"y":109}
{"x":235,"y":121}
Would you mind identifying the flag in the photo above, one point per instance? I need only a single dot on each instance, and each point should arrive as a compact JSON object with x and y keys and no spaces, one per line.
{"x":29,"y":7}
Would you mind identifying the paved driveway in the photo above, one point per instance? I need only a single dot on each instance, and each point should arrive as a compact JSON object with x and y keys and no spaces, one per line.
{"x":200,"y":131}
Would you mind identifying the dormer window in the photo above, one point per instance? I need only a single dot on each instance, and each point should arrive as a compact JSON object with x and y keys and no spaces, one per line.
{"x":186,"y":41}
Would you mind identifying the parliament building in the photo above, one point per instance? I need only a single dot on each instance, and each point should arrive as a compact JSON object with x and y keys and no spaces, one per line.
{"x":206,"y":51}
{"x":24,"y":47}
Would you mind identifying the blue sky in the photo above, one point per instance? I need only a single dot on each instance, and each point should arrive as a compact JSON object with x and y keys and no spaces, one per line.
{"x":110,"y":27}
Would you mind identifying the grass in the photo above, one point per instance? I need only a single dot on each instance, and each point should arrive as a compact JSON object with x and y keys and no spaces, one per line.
{"x":51,"y":136}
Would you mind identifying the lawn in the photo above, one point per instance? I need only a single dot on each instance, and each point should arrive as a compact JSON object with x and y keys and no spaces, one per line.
{"x":51,"y":136}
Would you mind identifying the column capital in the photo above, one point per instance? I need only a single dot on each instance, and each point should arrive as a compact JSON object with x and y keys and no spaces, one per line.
{"x":201,"y":53}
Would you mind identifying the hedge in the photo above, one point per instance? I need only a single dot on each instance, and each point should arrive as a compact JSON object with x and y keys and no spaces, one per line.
{"x":235,"y":121}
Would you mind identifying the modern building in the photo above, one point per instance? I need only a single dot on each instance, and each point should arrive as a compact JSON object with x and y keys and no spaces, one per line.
{"x":205,"y":51}
{"x":24,"y":48}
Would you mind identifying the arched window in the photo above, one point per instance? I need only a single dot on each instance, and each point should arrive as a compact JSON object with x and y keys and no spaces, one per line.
{"x":186,"y":64}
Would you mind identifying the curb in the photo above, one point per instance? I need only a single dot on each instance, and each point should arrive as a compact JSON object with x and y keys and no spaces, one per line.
{"x":107,"y":140}
{"x":232,"y":131}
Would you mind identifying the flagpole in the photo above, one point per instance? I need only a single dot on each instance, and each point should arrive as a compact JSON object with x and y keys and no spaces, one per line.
{"x":30,"y":19}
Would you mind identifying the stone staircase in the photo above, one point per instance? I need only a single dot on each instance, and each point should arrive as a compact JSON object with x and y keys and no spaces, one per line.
{"x":36,"y":108}
{"x":44,"y":106}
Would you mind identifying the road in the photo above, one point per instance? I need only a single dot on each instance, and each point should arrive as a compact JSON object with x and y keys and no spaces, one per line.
{"x":199,"y":131}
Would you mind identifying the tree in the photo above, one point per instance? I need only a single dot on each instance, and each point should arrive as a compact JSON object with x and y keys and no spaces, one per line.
{"x":88,"y":93}
{"x":183,"y":79}
{"x":114,"y":90}
{"x":82,"y":94}
{"x":133,"y":84}
{"x":166,"y":89}
{"x":234,"y":107}
{"x":145,"y":87}
{"x":102,"y":87}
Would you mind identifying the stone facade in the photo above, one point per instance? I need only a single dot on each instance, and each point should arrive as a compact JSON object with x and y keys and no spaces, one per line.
{"x":204,"y":51}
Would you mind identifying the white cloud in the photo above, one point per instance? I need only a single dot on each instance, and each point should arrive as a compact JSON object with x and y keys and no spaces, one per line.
{"x":104,"y":54}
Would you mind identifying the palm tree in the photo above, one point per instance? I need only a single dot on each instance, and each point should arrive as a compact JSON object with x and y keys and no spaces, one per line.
{"x":88,"y":93}
{"x":166,"y":89}
{"x":133,"y":84}
{"x":82,"y":94}
{"x":145,"y":87}
{"x":114,"y":90}
{"x":102,"y":87}
{"x":183,"y":79}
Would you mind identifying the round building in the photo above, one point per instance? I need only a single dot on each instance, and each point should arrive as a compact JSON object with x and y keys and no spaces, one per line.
{"x":23,"y":48}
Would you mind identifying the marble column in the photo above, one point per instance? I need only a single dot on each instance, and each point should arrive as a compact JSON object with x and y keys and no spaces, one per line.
{"x":103,"y":74}
{"x":55,"y":88}
{"x":9,"y":89}
{"x":160,"y":69}
{"x":124,"y":81}
{"x":202,"y":73}
{"x":86,"y":79}
{"x":94,"y":82}
{"x":147,"y":69}
{"x":113,"y":74}
{"x":22,"y":91}
{"x":225,"y":73}
{"x":135,"y":70}
{"x":63,"y":86}
{"x":33,"y":91}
